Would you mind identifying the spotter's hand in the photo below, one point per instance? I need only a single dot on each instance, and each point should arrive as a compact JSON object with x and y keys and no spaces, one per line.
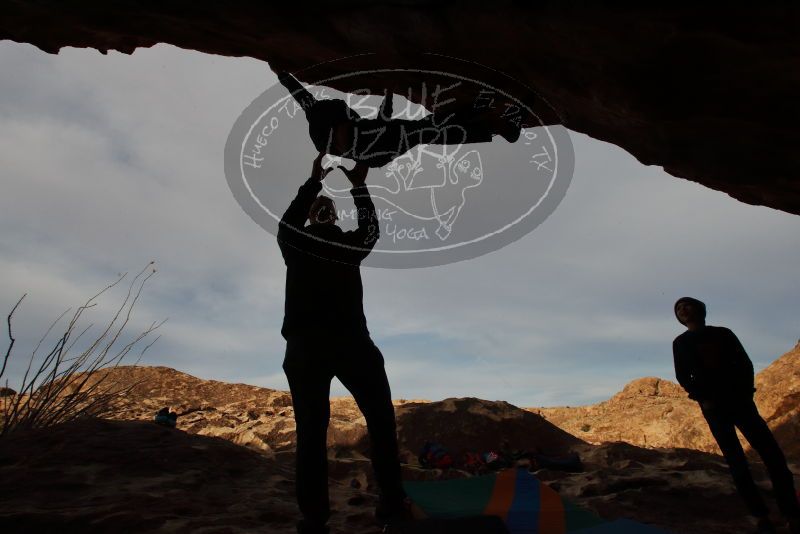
{"x":357,"y":175}
{"x":317,"y":172}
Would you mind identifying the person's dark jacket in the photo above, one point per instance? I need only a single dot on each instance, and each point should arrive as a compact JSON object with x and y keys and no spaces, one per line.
{"x":711,"y":365}
{"x":323,"y":277}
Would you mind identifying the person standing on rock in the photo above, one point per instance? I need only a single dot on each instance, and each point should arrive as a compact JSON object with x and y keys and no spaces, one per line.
{"x":714,"y":369}
{"x":326,"y":335}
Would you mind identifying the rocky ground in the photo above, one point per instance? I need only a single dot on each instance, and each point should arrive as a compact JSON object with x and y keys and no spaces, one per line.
{"x":135,"y":476}
{"x":228,"y":466}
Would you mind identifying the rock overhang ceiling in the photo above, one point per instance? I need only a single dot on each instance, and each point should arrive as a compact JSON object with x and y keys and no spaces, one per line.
{"x":708,"y":93}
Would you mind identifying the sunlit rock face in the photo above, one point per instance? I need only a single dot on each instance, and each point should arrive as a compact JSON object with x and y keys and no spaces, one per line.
{"x":263,"y":419}
{"x":707,"y":93}
{"x":649,"y":412}
{"x":778,"y":398}
{"x":653,"y":412}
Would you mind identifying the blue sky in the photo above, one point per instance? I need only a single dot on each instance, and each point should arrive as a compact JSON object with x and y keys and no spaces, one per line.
{"x":109,"y":162}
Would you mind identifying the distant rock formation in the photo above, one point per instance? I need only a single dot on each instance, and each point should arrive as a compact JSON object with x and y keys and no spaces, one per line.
{"x":654,"y":412}
{"x":477,"y":425}
{"x":263,"y":419}
{"x":709,"y":94}
{"x":256,"y":417}
{"x":778,"y":399}
{"x":648,"y":412}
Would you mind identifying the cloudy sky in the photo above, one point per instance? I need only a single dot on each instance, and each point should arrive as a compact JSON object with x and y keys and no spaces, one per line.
{"x":109,"y":162}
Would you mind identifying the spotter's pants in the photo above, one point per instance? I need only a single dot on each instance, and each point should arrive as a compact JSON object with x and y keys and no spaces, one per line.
{"x":310,"y":365}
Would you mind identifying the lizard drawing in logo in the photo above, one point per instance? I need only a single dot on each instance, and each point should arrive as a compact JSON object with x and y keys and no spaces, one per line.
{"x":426,"y":179}
{"x":429,"y":183}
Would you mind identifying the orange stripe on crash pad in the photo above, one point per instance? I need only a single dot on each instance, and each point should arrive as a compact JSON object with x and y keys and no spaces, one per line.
{"x":552,"y":519}
{"x":502,"y":494}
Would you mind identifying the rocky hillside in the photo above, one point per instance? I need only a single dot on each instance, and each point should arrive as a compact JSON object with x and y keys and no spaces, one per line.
{"x":263,"y":419}
{"x":477,"y":425}
{"x":648,"y":412}
{"x":654,"y":412}
{"x":778,"y":399}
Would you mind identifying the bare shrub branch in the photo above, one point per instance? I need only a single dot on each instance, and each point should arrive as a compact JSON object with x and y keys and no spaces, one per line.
{"x":10,"y":335}
{"x":63,"y":387}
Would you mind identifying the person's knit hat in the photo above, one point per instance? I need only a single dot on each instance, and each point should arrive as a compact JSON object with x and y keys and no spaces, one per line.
{"x":323,"y":116}
{"x":697,"y":304}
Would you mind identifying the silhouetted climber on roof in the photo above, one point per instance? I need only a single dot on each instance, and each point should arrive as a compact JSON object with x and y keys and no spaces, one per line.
{"x":338,"y":130}
{"x":714,"y":369}
{"x":326,"y":336}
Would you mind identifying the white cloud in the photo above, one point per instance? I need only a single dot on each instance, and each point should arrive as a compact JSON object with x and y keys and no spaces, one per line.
{"x":111,"y":161}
